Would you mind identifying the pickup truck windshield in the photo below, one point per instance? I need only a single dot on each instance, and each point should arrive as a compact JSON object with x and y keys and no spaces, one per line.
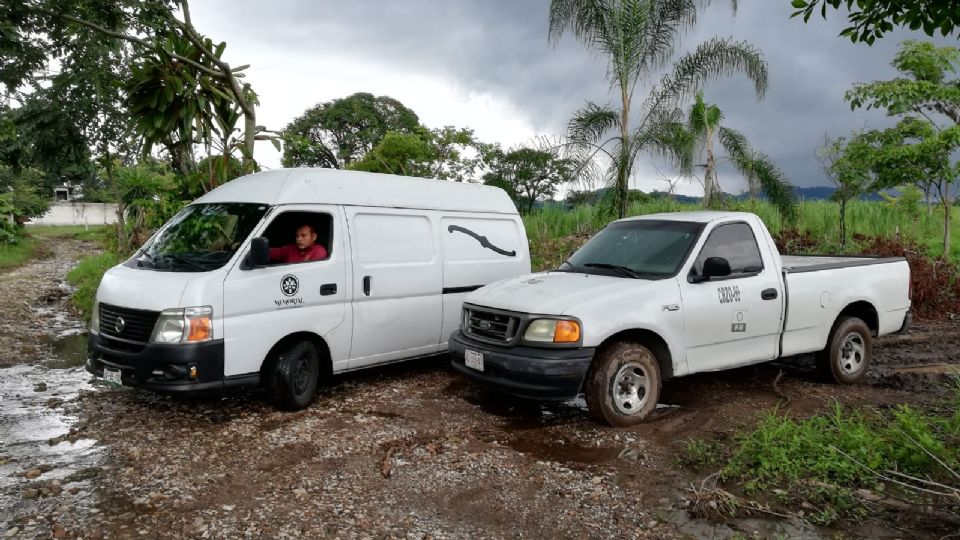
{"x":200,"y":238}
{"x":646,"y":249}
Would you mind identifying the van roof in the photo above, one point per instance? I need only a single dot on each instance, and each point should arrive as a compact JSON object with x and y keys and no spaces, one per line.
{"x":355,"y":188}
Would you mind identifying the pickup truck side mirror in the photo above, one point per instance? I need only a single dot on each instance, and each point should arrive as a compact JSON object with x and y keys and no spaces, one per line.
{"x":716,"y":267}
{"x":259,"y":255}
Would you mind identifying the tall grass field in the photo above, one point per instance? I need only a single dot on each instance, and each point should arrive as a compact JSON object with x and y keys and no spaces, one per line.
{"x":554,"y":232}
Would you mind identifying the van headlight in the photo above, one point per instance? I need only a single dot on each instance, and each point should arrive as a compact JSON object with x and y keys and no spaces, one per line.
{"x":95,"y":317}
{"x":185,"y":325}
{"x":552,"y":331}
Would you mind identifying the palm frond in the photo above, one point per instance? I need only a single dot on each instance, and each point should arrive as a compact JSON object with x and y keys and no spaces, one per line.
{"x":758,"y":168}
{"x":590,"y":122}
{"x":667,"y":136}
{"x":587,"y":19}
{"x":666,"y":20}
{"x":710,"y":60}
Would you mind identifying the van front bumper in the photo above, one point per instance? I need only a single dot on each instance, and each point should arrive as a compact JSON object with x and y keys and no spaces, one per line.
{"x":531,"y":372}
{"x":161,"y":367}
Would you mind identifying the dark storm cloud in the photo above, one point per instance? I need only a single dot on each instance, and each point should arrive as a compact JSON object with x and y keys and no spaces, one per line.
{"x":500,"y":47}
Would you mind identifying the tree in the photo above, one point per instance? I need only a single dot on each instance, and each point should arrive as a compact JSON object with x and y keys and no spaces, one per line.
{"x":127,"y":20}
{"x":405,"y":154}
{"x":637,"y":37}
{"x":761,"y":174}
{"x":21,"y":194}
{"x":846,"y":164}
{"x":920,"y":148}
{"x":337,"y":133}
{"x":527,"y":174}
{"x":871,"y":19}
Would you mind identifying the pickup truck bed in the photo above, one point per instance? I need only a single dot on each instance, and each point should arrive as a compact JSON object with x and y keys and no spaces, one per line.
{"x":794,"y":264}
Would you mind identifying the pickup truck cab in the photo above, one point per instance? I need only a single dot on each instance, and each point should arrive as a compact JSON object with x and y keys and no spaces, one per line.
{"x":660,"y":296}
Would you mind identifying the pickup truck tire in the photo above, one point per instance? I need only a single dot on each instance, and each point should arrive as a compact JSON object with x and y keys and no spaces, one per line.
{"x":623,"y":384}
{"x":293,"y":376}
{"x":848,"y":353}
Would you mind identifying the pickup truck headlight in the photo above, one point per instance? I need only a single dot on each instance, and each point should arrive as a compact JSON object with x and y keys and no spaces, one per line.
{"x":95,"y":317}
{"x":186,"y":325}
{"x":552,"y":331}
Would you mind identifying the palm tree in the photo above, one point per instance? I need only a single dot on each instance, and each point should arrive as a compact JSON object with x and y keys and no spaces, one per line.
{"x":761,"y":174}
{"x":638,"y":37}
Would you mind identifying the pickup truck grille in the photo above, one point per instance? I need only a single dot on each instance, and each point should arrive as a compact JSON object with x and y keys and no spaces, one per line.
{"x":490,"y":326}
{"x":136,"y":325}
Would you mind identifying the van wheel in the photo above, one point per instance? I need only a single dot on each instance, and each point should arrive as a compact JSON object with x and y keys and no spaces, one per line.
{"x":848,"y":353}
{"x":623,"y":384}
{"x":293,"y":376}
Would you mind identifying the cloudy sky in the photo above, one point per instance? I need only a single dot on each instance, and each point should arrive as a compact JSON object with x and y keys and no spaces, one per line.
{"x":487,"y":65}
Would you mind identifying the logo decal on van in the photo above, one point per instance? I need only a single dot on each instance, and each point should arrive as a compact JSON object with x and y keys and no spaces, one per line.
{"x":289,"y":284}
{"x":482,"y":239}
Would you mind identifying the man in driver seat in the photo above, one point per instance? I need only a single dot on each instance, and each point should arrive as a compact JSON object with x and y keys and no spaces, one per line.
{"x":304,"y":248}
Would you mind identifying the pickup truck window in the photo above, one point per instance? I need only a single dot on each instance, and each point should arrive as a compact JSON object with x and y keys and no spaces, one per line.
{"x":648,"y":249}
{"x":736,"y":243}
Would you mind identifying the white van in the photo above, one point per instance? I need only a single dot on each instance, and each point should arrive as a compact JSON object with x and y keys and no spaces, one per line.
{"x":199,"y":307}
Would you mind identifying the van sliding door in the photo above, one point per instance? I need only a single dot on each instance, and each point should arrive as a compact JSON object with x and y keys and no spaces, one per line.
{"x":396,"y":285}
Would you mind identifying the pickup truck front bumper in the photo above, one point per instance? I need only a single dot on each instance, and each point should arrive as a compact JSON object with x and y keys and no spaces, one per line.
{"x":531,"y":372}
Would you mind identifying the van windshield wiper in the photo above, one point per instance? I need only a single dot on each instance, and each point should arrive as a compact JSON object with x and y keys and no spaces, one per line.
{"x":184,"y":260}
{"x":629,"y":272}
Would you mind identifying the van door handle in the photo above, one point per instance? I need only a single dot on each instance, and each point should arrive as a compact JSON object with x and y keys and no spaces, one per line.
{"x":768,"y":294}
{"x":328,"y":288}
{"x":366,"y":285}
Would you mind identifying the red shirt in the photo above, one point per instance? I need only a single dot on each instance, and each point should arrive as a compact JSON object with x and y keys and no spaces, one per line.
{"x":292,"y":254}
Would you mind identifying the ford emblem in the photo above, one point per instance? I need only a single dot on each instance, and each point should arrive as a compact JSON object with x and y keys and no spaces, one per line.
{"x":485,"y":325}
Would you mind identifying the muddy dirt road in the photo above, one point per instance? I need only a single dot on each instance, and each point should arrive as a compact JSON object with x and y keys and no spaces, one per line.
{"x":406,"y":451}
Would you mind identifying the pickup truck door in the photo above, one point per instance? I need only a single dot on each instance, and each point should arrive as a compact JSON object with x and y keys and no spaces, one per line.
{"x":733,"y":320}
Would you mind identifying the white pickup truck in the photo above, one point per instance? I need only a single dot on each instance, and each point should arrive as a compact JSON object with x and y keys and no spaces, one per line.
{"x":667,"y":295}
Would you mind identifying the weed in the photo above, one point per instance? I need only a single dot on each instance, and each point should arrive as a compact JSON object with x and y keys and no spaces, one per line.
{"x":86,"y":278}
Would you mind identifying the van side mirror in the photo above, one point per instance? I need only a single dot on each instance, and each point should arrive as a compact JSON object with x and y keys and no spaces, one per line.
{"x":716,"y":267}
{"x":259,"y":255}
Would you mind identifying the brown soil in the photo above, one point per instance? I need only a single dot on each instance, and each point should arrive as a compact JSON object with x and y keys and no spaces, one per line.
{"x":413,"y":450}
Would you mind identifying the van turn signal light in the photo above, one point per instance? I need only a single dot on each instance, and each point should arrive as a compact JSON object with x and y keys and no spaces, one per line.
{"x":566,"y":332}
{"x":199,"y":329}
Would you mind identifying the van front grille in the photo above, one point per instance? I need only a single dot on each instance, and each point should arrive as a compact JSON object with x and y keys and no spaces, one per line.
{"x":490,"y":326}
{"x":126,"y":323}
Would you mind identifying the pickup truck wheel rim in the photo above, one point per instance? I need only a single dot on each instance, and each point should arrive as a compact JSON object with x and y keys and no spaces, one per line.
{"x":630,"y":388}
{"x":851,"y":353}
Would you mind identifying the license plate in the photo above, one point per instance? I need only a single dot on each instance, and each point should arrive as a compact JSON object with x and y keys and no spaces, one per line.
{"x":473,"y":359}
{"x":112,"y":376}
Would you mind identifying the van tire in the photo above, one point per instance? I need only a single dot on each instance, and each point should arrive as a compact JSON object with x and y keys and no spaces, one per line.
{"x":848,"y":353}
{"x":293,"y":375}
{"x":615,"y":379}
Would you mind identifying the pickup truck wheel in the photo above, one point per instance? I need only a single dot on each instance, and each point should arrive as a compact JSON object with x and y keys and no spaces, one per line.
{"x":623,"y":384}
{"x":848,"y":353}
{"x":293,"y":376}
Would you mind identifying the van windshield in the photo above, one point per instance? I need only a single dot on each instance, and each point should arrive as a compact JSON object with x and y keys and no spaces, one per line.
{"x":645,"y":249}
{"x":200,"y":238}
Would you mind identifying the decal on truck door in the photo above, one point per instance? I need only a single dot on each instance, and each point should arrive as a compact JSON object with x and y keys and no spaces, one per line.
{"x":289,"y":286}
{"x":482,"y":239}
{"x":728,"y":294}
{"x":739,"y":322}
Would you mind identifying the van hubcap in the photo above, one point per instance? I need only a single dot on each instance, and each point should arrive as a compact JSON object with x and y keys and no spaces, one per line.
{"x":302,"y":378}
{"x":630,"y":388}
{"x":852,"y":353}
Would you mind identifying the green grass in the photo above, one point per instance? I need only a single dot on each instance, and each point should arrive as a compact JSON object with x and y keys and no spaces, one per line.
{"x":825,"y":458}
{"x":86,"y":278}
{"x":551,"y":229}
{"x":13,"y":255}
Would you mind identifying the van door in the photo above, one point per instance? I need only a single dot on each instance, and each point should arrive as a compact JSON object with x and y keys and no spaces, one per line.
{"x":734,"y":320}
{"x":477,"y":250}
{"x":263,"y":305}
{"x":397,"y":284}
